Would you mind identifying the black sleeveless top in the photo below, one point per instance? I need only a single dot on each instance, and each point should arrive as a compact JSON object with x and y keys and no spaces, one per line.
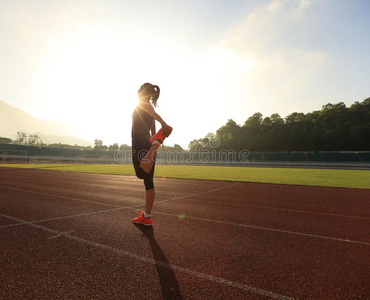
{"x":141,"y":124}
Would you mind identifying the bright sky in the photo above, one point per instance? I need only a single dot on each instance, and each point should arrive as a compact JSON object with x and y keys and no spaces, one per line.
{"x":214,"y":60}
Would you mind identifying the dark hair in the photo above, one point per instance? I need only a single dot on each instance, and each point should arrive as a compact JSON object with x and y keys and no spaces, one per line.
{"x":148,"y":90}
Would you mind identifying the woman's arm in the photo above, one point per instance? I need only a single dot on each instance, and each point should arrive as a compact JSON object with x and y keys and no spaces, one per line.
{"x":153,"y":129}
{"x":150,"y":110}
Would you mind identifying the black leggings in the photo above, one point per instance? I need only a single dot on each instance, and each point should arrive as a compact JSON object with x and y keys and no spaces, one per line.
{"x":138,"y":154}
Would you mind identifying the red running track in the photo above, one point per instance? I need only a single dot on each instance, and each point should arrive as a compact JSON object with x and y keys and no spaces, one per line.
{"x":70,"y":235}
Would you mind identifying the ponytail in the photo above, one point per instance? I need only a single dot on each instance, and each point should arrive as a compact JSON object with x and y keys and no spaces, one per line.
{"x":156,"y":92}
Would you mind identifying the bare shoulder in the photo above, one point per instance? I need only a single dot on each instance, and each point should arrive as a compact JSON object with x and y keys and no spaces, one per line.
{"x":147,"y":107}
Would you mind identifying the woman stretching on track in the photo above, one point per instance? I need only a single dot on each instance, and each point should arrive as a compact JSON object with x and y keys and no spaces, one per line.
{"x":144,"y":146}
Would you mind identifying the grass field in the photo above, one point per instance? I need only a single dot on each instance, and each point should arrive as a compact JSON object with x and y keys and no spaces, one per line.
{"x":313,"y":177}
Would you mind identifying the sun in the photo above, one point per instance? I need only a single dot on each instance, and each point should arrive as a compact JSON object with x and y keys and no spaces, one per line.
{"x":92,"y":83}
{"x":90,"y":78}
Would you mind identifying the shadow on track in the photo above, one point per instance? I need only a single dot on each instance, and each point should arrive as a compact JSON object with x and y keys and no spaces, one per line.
{"x":167,"y":278}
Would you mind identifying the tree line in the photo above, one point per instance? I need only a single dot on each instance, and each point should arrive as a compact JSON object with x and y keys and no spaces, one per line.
{"x":99,"y":145}
{"x":34,"y":140}
{"x":333,"y":128}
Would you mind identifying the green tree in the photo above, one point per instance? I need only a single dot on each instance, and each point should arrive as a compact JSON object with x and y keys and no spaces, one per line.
{"x":124,"y":147}
{"x":229,"y":136}
{"x":203,"y":143}
{"x":98,"y":144}
{"x":176,"y":147}
{"x":251,"y":133}
{"x":113,"y":147}
{"x":333,"y":128}
{"x":4,"y":140}
{"x":295,"y":132}
{"x":33,"y":139}
{"x":21,"y":137}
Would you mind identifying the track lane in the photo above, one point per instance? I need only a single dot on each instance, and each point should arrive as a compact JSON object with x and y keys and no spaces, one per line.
{"x":276,"y":262}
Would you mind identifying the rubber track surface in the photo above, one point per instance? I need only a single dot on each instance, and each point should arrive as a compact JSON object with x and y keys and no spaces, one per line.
{"x":70,"y":236}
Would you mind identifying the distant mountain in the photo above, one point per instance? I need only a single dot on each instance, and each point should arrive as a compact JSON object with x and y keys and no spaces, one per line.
{"x":13,"y":119}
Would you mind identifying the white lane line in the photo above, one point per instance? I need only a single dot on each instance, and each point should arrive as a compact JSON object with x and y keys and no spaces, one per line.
{"x":59,"y":235}
{"x":65,"y":217}
{"x":198,"y":194}
{"x":277,"y":208}
{"x":58,"y":196}
{"x":114,"y":205}
{"x":194,"y":218}
{"x":215,"y":279}
{"x":118,"y":207}
{"x":311,"y":201}
{"x":173,"y":199}
{"x":267,"y":228}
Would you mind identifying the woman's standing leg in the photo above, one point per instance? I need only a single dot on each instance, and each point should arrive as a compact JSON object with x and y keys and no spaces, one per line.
{"x":145,"y":218}
{"x":149,"y":200}
{"x":149,"y":187}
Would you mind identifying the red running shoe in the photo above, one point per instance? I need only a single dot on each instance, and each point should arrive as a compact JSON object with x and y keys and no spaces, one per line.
{"x":159,"y":136}
{"x":142,"y":220}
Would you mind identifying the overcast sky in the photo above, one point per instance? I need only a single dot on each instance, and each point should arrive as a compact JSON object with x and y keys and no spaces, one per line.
{"x":83,"y":61}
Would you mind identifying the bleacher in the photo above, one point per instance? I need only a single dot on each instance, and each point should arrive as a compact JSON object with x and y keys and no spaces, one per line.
{"x":31,"y":150}
{"x":333,"y":157}
{"x":27,"y":153}
{"x":53,"y":154}
{"x":365,"y":156}
{"x":285,"y":157}
{"x":255,"y":156}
